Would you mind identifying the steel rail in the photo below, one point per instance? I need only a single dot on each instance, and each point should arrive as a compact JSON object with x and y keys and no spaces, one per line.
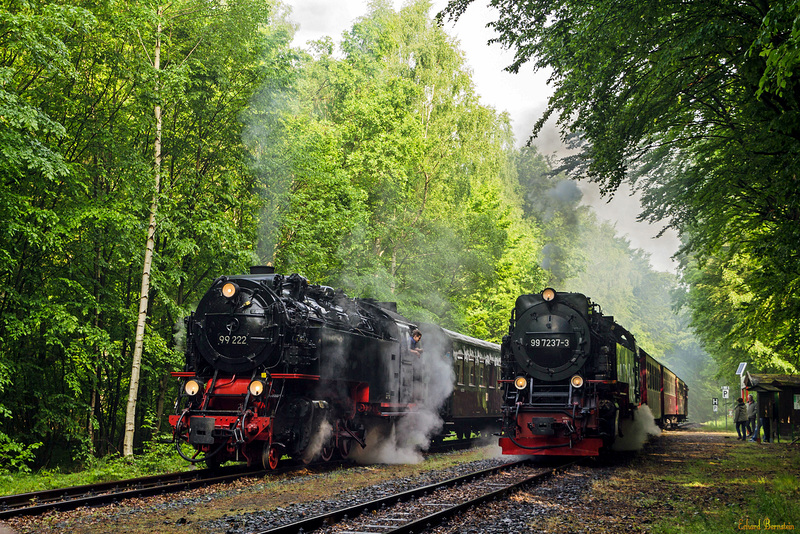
{"x":38,"y":502}
{"x":105,"y":492}
{"x":436,"y":518}
{"x":312,"y":523}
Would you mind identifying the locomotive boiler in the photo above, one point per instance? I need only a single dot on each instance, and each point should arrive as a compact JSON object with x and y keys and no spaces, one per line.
{"x":571,"y":375}
{"x":278,"y":366}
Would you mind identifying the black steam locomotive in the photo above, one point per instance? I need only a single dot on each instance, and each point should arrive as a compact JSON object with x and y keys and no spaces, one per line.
{"x":571,"y":375}
{"x":276,"y":366}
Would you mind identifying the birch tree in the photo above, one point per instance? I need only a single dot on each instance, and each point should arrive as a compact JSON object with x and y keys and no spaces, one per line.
{"x":141,"y":322}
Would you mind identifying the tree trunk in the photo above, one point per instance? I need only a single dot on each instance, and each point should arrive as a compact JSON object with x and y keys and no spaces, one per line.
{"x":392,"y":279}
{"x":163,"y":387}
{"x":130,"y":413}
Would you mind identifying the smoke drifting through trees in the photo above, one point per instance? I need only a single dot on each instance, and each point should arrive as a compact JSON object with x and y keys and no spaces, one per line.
{"x":264,"y":136}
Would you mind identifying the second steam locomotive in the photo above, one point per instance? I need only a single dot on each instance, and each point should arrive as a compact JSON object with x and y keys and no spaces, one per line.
{"x":277,"y":366}
{"x":572,"y":375}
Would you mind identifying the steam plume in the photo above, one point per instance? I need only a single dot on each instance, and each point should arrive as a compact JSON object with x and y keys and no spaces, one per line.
{"x":404,"y":440}
{"x":321,"y":437}
{"x":635,"y":433}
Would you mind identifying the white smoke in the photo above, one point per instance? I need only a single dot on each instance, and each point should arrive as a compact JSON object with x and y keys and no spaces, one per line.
{"x":493,"y":448}
{"x":404,"y":440}
{"x":320,"y":438}
{"x":636,"y":432}
{"x":179,"y":335}
{"x":401,"y":442}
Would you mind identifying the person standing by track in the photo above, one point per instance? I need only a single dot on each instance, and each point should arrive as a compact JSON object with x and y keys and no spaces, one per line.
{"x":751,"y":416}
{"x":740,"y":418}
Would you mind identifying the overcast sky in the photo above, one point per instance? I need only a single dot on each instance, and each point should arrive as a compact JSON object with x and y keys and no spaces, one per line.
{"x":523,"y":96}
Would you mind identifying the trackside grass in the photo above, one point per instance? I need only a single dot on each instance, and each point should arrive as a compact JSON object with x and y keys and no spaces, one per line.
{"x":702,"y":482}
{"x":758,"y":488}
{"x":157,"y":459}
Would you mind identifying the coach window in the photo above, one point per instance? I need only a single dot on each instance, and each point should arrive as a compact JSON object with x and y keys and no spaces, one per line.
{"x":460,"y":369}
{"x":492,"y":375}
{"x":482,"y":374}
{"x":471,"y":372}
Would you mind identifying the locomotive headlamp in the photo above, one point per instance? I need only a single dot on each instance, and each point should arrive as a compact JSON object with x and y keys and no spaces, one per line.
{"x":229,"y":289}
{"x":193,"y":387}
{"x":549,"y":294}
{"x":257,"y":387}
{"x":520,"y":382}
{"x":576,"y":381}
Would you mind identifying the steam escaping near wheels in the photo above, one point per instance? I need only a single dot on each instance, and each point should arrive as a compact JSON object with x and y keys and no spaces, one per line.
{"x":404,"y":441}
{"x":635,"y":432}
{"x":318,"y":440}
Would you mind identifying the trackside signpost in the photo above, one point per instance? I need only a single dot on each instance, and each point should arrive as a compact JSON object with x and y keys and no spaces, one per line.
{"x":725,"y":391}
{"x":715,"y":407}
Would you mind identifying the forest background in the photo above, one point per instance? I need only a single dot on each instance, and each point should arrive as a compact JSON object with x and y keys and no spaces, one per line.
{"x":371,"y":166}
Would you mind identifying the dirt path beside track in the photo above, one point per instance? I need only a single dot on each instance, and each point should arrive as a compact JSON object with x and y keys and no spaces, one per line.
{"x":689,"y":482}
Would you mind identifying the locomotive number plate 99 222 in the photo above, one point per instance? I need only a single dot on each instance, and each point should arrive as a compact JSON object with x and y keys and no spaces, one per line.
{"x":232,"y":340}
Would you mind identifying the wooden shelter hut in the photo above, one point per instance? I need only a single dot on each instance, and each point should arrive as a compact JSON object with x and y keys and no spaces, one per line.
{"x":778,"y":400}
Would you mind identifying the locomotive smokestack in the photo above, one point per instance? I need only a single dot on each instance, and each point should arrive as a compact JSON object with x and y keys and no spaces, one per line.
{"x":262,"y":269}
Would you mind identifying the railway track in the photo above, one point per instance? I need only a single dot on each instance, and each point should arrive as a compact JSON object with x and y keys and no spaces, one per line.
{"x":423,"y":508}
{"x":108,"y":492}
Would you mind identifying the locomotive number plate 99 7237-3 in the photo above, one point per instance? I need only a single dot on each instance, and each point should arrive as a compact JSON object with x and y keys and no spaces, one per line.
{"x":550,"y":342}
{"x":549,"y":351}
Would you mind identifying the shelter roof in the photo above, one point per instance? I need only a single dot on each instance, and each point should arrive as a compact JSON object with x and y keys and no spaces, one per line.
{"x":766,"y":382}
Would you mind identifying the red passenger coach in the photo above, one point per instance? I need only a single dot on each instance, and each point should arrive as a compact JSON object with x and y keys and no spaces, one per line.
{"x":674,"y":402}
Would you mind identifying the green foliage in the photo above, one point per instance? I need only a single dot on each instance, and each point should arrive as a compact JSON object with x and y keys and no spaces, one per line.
{"x":697,"y":105}
{"x":15,"y":456}
{"x":376,"y":170}
{"x":77,"y":93}
{"x":155,"y":458}
{"x":401,"y":184}
{"x":739,"y":324}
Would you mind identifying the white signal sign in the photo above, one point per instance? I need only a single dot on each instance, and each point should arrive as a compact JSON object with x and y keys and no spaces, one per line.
{"x":725,"y":393}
